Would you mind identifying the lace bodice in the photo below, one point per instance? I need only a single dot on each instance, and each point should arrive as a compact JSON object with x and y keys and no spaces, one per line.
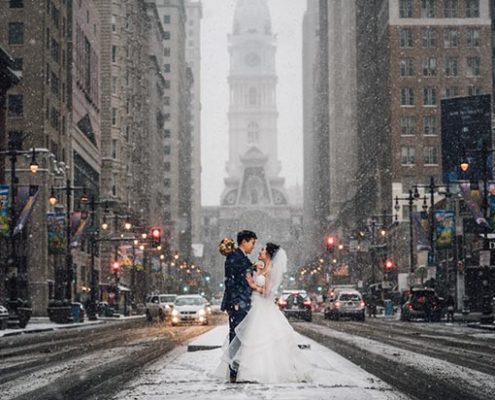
{"x":260,"y":280}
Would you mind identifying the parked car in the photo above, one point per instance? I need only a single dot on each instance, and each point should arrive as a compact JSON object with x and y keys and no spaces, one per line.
{"x":159,"y":306}
{"x":296,"y":304}
{"x":104,"y":309}
{"x":345,"y":303}
{"x":422,"y":304}
{"x":191,"y":308}
{"x":4,"y":317}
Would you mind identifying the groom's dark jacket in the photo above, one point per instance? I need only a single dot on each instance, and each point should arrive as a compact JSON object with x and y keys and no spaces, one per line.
{"x":237,"y":290}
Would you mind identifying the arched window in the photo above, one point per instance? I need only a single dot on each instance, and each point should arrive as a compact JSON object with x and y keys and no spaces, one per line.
{"x":253,"y":132}
{"x":253,"y":96}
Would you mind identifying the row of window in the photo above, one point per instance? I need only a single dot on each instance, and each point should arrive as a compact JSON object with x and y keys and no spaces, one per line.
{"x":451,"y":38}
{"x":408,"y":125}
{"x":408,"y":155}
{"x":430,"y":9}
{"x":450,"y":67}
{"x":430,"y":98}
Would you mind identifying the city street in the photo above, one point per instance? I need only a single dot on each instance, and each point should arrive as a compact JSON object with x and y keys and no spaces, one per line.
{"x":377,"y":359}
{"x":83,"y":361}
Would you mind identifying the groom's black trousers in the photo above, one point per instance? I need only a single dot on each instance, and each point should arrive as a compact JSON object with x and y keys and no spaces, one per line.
{"x":235,"y":318}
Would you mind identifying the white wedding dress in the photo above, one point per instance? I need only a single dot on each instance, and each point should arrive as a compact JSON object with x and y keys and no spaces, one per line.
{"x":265,"y":349}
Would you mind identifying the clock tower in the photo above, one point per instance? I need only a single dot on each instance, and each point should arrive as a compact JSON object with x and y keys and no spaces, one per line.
{"x":254,"y":196}
{"x":253,"y":167}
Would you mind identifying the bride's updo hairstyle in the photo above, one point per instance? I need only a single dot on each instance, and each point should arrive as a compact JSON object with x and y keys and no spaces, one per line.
{"x":271,"y":249}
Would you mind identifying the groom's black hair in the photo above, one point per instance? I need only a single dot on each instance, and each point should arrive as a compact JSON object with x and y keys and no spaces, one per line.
{"x":271,"y":249}
{"x":245,"y":235}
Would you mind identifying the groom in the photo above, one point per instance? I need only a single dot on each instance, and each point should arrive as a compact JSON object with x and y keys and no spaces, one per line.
{"x":237,"y":296}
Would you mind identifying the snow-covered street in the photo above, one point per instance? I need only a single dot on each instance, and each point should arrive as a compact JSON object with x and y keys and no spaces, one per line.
{"x":184,"y":375}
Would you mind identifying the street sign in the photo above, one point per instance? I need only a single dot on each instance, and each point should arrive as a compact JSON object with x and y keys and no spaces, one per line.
{"x":484,"y":258}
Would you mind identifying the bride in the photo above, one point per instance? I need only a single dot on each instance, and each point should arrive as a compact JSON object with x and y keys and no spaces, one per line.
{"x":265,"y":348}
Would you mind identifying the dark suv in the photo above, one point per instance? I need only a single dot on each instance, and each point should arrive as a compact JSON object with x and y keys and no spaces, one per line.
{"x":296,"y":305}
{"x":424,"y":304}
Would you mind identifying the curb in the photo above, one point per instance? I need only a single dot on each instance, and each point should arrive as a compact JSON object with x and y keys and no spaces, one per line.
{"x":99,"y":322}
{"x":482,"y":327}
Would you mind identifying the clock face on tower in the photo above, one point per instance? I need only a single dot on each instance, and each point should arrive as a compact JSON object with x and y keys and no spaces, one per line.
{"x":252,"y":59}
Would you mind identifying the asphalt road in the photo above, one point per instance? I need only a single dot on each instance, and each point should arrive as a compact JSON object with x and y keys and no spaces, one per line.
{"x":424,"y":361}
{"x":85,"y":363}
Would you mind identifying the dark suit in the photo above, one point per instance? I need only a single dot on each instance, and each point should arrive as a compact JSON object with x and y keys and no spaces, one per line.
{"x":237,"y":291}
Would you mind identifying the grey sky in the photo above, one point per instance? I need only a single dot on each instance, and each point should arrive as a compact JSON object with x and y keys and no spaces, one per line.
{"x":216,"y":25}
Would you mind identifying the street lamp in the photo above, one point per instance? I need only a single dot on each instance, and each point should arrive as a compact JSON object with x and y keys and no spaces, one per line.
{"x":410,"y":199}
{"x":60,"y":309}
{"x":19,"y":311}
{"x":431,"y":190}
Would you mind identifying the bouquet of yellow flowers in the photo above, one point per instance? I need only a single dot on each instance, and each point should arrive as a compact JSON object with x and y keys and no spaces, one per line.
{"x":226,"y":246}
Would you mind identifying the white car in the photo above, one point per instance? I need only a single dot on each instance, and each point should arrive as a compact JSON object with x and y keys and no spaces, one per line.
{"x":159,"y":305}
{"x":190,"y":309}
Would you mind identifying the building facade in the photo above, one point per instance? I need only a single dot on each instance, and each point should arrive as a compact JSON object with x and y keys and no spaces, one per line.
{"x":193,"y":58}
{"x":56,"y":110}
{"x":312,"y":225}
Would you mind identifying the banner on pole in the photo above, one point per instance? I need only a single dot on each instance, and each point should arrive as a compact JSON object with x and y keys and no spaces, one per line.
{"x":26,"y":199}
{"x":444,"y":228}
{"x":56,"y":233}
{"x":4,"y":210}
{"x":422,"y":242}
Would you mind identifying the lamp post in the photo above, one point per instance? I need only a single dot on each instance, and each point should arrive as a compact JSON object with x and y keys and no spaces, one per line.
{"x":431,"y":190}
{"x":60,"y":309}
{"x":19,"y":310}
{"x":410,"y":200}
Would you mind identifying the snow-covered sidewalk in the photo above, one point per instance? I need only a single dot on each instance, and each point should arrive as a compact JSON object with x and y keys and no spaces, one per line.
{"x":43,"y":324}
{"x":186,"y":374}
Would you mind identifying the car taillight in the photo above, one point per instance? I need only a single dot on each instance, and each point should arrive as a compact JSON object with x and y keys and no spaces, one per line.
{"x":362,"y":304}
{"x":282,"y":303}
{"x":337,"y":304}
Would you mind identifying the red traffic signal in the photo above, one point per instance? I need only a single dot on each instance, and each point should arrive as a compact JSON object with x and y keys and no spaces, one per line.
{"x":156,"y":235}
{"x":330,"y":243}
{"x":115,"y":267}
{"x":389,"y":264}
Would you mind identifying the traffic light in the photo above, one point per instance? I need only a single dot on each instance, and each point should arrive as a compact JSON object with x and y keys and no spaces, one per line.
{"x":156,"y":236}
{"x":330,"y":244}
{"x":389,"y":264}
{"x":115,"y":267}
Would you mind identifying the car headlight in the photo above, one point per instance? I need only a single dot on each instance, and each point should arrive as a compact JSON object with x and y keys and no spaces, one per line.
{"x":175,"y":313}
{"x":202,"y":312}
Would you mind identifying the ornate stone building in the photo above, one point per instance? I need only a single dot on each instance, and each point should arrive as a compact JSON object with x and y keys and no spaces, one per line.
{"x":254,"y":196}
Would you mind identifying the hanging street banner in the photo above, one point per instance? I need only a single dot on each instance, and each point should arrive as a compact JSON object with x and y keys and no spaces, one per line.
{"x":491,"y":204}
{"x":78,"y":223}
{"x":466,"y":126}
{"x":473,"y":200}
{"x":444,"y":228}
{"x":4,"y":210}
{"x":26,"y":199}
{"x":126,"y":256}
{"x":56,"y":233}
{"x":420,"y":233}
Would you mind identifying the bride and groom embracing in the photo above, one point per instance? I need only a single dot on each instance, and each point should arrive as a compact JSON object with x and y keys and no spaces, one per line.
{"x":261,"y":345}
